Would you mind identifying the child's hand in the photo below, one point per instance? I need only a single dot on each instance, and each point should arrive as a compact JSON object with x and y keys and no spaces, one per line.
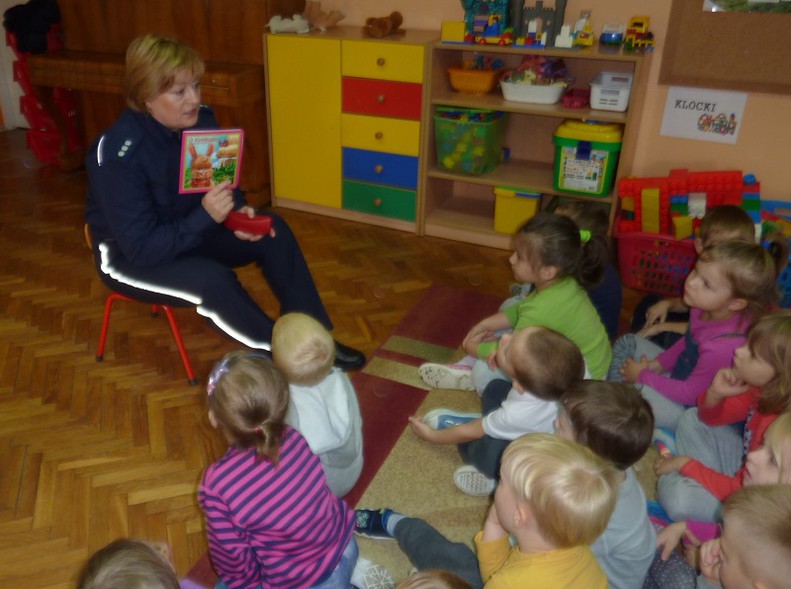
{"x":667,"y":465}
{"x":670,"y":537}
{"x":492,"y":528}
{"x":244,"y":235}
{"x":656,"y":313}
{"x":491,"y":361}
{"x":652,"y":330}
{"x":631,"y":369}
{"x":421,"y":429}
{"x":710,"y":561}
{"x":727,"y":384}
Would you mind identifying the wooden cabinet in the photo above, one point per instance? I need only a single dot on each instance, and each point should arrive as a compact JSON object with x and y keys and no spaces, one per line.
{"x":461,"y":207}
{"x":345,"y":123}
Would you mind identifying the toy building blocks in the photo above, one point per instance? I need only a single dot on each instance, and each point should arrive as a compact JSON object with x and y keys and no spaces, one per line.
{"x":487,"y":22}
{"x":682,"y":227}
{"x":565,"y":40}
{"x":637,"y":34}
{"x":612,"y":34}
{"x":452,"y":31}
{"x":583,"y":30}
{"x":649,"y":197}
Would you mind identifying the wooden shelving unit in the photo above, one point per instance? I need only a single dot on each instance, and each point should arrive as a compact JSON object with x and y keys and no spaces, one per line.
{"x":461,"y":207}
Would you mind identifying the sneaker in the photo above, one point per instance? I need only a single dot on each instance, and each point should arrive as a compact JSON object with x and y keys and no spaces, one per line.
{"x":445,"y":418}
{"x":369,"y":523}
{"x":471,"y":481}
{"x":369,"y":575}
{"x":447,"y":376}
{"x":665,"y":441}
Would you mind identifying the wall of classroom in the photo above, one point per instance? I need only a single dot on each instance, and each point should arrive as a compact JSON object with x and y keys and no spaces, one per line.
{"x":762,"y":146}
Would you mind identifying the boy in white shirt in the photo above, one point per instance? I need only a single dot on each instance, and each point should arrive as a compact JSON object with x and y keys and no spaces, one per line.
{"x":323,"y":406}
{"x":542,"y":364}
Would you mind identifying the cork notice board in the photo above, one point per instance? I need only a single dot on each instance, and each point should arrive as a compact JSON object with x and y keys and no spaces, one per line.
{"x":749,"y":52}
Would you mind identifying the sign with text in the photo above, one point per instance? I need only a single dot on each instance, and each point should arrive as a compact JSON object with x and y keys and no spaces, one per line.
{"x":706,"y":115}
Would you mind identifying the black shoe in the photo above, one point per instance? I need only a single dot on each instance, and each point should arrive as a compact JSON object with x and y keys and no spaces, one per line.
{"x":347,"y":358}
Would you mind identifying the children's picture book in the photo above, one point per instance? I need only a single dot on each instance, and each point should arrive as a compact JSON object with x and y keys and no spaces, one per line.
{"x":210,"y":157}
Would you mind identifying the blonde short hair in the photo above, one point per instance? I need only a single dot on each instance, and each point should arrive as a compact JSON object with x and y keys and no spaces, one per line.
{"x":152,"y":64}
{"x":726,"y":222}
{"x":132,"y":564}
{"x":435,"y":579}
{"x":761,"y":516}
{"x":778,"y":436}
{"x":571,"y":491}
{"x":302,"y":348}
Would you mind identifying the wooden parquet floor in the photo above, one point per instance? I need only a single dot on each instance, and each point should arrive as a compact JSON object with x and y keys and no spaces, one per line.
{"x":89,"y":451}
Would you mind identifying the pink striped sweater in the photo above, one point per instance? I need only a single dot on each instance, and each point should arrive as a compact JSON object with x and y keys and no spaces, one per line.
{"x":273,"y":526}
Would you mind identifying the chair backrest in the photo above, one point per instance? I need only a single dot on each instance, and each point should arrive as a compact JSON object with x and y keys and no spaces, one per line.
{"x":88,"y":238}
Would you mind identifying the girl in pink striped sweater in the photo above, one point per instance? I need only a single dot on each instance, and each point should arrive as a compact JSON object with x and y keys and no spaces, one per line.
{"x":271,"y":519}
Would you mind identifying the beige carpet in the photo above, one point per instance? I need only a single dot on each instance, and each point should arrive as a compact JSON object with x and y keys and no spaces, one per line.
{"x":416,"y":479}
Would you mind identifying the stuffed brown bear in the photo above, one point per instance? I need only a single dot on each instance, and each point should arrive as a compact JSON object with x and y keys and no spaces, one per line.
{"x":382,"y":26}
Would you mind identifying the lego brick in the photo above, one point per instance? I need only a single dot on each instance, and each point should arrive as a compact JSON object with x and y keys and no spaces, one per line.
{"x":682,"y":227}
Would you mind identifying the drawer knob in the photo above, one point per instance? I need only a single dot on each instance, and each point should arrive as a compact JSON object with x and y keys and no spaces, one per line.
{"x":377,"y":202}
{"x":380,"y":99}
{"x":381,"y":61}
{"x":378,"y":168}
{"x":379,"y":135}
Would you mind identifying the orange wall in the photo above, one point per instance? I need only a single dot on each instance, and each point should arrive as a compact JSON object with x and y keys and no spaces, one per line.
{"x":763,"y":144}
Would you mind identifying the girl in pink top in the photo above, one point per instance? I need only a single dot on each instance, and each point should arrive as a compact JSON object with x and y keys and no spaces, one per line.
{"x":731,"y":285}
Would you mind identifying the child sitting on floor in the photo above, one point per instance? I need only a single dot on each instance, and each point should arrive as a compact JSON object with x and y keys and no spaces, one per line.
{"x":436,"y":579}
{"x":730,"y":420}
{"x":554,"y":498}
{"x":755,"y":547}
{"x":616,"y":423}
{"x":542,"y":364}
{"x":128,"y":563}
{"x":323,"y":406}
{"x":650,"y":319}
{"x":256,"y":497}
{"x":732,"y":284}
{"x":560,"y":260}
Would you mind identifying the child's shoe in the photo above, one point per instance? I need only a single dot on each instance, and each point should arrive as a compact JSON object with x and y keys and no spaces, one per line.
{"x":370,"y":523}
{"x":447,"y":376}
{"x":445,"y":418}
{"x":369,"y":575}
{"x":471,"y":481}
{"x":665,"y":442}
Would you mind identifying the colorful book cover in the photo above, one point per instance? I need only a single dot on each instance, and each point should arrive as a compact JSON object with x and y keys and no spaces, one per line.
{"x":210,"y":157}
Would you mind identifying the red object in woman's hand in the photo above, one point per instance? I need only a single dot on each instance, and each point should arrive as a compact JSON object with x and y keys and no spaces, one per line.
{"x":239,"y":221}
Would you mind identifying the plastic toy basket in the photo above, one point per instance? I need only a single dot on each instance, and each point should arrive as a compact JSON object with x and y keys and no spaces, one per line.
{"x":654,"y":263}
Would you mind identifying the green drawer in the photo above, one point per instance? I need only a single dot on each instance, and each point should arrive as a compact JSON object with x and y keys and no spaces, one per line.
{"x":375,"y":199}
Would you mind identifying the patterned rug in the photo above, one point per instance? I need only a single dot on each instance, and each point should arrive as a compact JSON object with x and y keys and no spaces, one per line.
{"x":389,"y":391}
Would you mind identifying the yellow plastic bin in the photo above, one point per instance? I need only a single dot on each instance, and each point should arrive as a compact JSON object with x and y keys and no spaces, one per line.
{"x":513,"y":207}
{"x":586,"y":156}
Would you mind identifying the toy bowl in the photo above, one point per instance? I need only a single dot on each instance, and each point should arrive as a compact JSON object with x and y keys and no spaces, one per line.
{"x":538,"y":94}
{"x":473,"y":81}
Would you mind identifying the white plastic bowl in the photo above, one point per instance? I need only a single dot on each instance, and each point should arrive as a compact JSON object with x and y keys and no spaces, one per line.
{"x":539,"y":94}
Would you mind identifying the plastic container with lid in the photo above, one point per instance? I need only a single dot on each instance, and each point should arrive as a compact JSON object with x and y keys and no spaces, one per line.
{"x":586,"y":156}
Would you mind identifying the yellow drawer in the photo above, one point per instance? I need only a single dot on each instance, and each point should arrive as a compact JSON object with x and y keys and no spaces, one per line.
{"x":380,"y":134}
{"x":382,"y":61}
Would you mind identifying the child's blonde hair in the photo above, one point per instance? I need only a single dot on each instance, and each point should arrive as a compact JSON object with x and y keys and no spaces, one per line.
{"x":550,"y":362}
{"x":302,"y":348}
{"x":127,"y":563}
{"x":726,"y":222}
{"x":761,"y":515}
{"x":152,"y":64}
{"x":777,"y":436}
{"x":571,"y":492}
{"x":554,"y":240}
{"x":770,"y":340}
{"x":434,"y":580}
{"x":248,"y":397}
{"x":750,"y":271}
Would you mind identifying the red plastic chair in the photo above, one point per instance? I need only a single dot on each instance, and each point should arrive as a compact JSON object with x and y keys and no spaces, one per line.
{"x":174,"y":328}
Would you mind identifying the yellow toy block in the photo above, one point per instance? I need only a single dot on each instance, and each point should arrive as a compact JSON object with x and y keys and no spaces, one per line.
{"x":649,"y":201}
{"x":682,"y":227}
{"x":627,"y":204}
{"x":453,"y":31}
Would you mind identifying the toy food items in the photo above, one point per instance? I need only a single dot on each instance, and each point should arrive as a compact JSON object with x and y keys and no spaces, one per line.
{"x":201,"y":167}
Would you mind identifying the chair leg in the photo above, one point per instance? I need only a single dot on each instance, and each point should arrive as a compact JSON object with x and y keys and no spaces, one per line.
{"x":180,"y":345}
{"x":108,"y":307}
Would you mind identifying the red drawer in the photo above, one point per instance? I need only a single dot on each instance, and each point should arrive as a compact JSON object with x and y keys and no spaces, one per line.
{"x":382,"y":98}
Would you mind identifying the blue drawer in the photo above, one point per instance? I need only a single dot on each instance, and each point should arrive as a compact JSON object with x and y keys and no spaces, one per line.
{"x":380,"y":168}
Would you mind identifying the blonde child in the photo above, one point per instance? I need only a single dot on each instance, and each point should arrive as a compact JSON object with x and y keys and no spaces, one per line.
{"x":732,"y":284}
{"x":720,"y":223}
{"x":434,"y":580}
{"x":128,"y":563}
{"x":560,"y":261}
{"x":554,"y":498}
{"x":542,"y":364}
{"x":710,"y":444}
{"x":323,"y":406}
{"x":770,"y":464}
{"x":616,"y":423}
{"x":755,"y":547}
{"x":271,"y":519}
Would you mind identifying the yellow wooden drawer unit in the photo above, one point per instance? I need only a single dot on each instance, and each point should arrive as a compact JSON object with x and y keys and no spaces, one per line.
{"x":380,"y":134}
{"x":383,"y":61}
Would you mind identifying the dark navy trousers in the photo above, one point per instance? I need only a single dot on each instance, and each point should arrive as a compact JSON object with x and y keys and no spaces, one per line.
{"x":204,"y":278}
